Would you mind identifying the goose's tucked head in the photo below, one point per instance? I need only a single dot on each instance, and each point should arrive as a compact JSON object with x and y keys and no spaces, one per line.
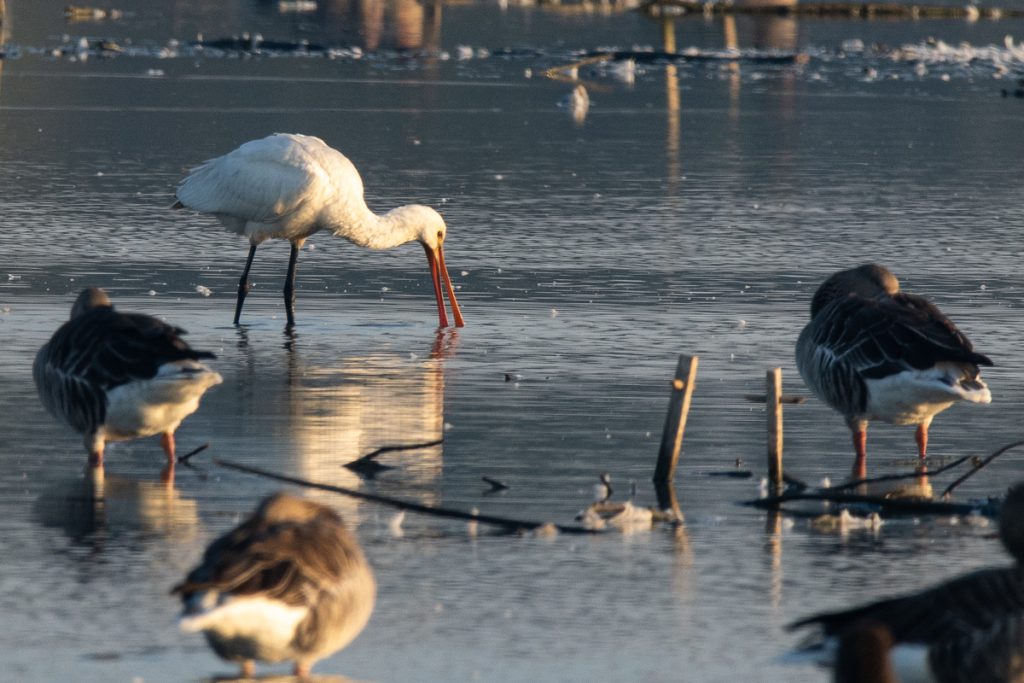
{"x":868,"y":281}
{"x":1011,"y":522}
{"x":90,"y":298}
{"x":282,"y":507}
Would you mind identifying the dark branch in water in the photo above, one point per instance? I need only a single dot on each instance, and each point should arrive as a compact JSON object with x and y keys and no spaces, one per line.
{"x":983,"y":463}
{"x":659,"y":57}
{"x":837,"y":494}
{"x":896,"y":477}
{"x":183,"y":459}
{"x":495,"y":484}
{"x":790,"y":480}
{"x":898,"y":505}
{"x":367,"y":467}
{"x":790,"y":399}
{"x":852,"y":10}
{"x":505,"y":522}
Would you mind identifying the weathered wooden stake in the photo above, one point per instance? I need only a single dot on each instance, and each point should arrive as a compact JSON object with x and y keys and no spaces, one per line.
{"x":667,"y":500}
{"x":675,"y":421}
{"x":668,"y":33}
{"x":774,"y":406}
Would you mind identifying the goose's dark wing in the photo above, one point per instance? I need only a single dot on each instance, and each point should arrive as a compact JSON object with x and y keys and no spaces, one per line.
{"x":971,"y":603}
{"x":890,"y":334}
{"x":291,"y":562}
{"x":98,"y":351}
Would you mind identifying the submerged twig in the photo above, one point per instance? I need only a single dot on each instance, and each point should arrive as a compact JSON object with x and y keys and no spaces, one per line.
{"x":896,"y":477}
{"x":904,"y":505}
{"x":508,"y":523}
{"x":367,"y":466}
{"x":790,"y":480}
{"x":183,"y":459}
{"x":852,"y":10}
{"x":789,"y":399}
{"x":983,"y":463}
{"x":495,"y":484}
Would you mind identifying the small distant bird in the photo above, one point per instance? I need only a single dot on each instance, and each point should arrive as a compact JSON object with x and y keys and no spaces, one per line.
{"x":603,"y":491}
{"x":873,"y":352}
{"x":113,"y":376}
{"x":968,"y":629}
{"x":288,"y":584}
{"x":292,"y":186}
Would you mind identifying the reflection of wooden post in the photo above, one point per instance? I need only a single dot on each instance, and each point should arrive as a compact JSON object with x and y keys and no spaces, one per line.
{"x":773,"y":402}
{"x":668,"y":44}
{"x":675,"y":421}
{"x":773,"y":527}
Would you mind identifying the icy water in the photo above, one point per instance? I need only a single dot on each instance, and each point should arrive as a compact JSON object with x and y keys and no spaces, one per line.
{"x":692,"y":210}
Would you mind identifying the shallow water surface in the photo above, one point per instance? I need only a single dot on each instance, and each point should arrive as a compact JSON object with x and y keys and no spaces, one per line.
{"x":692,"y":210}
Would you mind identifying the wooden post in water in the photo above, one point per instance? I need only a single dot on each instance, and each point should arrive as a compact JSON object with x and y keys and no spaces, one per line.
{"x":668,"y":33}
{"x":675,"y":421}
{"x":773,"y":403}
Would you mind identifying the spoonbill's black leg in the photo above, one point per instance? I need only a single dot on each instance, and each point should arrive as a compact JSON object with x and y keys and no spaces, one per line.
{"x":243,"y":284}
{"x":289,"y":286}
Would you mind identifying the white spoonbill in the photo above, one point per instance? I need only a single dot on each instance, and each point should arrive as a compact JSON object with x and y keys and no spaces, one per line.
{"x":288,"y":186}
{"x":288,"y":584}
{"x":113,"y":376}
{"x":872,"y":351}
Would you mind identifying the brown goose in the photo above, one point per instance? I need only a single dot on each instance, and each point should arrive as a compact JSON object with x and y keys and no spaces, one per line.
{"x":288,"y":584}
{"x":113,"y":376}
{"x":967,"y":630}
{"x":873,"y":352}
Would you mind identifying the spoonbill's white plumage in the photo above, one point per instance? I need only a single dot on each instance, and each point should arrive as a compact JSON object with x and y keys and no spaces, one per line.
{"x":113,"y":376}
{"x":288,"y":584}
{"x":287,"y":186}
{"x":872,"y":351}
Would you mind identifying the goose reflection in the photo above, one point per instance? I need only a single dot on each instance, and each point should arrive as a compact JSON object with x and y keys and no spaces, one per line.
{"x":313,"y":678}
{"x":342,"y":411}
{"x":93,"y":509}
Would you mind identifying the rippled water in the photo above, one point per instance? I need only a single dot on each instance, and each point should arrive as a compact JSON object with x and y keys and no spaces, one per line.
{"x":692,"y":211}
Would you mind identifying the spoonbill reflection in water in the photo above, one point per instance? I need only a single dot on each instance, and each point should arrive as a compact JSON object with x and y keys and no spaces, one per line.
{"x":287,"y":186}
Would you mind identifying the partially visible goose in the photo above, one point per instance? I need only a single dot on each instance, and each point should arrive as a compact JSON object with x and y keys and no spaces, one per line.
{"x":288,"y":584}
{"x":968,"y":629}
{"x":873,"y":352}
{"x":114,"y":376}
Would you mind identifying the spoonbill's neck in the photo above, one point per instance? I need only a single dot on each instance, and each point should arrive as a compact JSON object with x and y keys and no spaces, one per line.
{"x":374,"y":231}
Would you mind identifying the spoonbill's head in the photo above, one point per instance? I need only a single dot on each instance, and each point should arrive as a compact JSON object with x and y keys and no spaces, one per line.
{"x":432,"y":231}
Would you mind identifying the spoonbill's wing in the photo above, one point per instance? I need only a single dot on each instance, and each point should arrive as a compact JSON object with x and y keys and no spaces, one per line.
{"x":263,"y":181}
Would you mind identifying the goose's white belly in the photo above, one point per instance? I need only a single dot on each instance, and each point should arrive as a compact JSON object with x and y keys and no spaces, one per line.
{"x":914,"y":396}
{"x":903,"y":399}
{"x":249,"y":627}
{"x":157,"y":405}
